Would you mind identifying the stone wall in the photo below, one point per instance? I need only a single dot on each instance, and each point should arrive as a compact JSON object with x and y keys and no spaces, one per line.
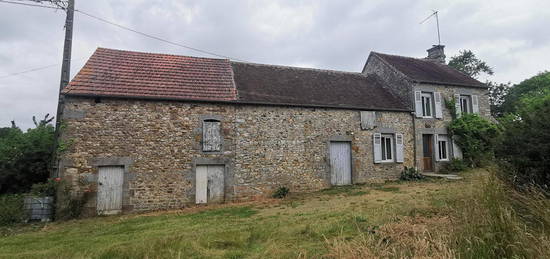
{"x":264,"y":147}
{"x":396,"y":82}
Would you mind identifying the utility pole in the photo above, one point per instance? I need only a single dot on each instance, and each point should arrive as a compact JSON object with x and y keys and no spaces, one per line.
{"x":65,"y":77}
{"x":66,"y":67}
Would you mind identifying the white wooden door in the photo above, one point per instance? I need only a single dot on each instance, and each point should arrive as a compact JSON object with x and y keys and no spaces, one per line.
{"x":215,"y":183}
{"x":340,"y":163}
{"x":109,"y":193}
{"x":209,"y":185}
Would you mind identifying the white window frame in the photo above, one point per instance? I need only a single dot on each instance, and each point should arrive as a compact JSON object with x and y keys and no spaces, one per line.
{"x":384,"y":148}
{"x":468,"y":100}
{"x":427,"y":105}
{"x":443,"y":140}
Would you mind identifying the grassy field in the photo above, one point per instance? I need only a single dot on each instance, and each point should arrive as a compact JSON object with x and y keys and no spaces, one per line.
{"x":438,"y":218}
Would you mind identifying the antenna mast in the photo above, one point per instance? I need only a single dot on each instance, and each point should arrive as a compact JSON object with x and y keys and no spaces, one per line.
{"x":435,"y":13}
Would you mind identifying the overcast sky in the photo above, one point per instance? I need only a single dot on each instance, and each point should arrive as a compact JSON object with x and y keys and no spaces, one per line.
{"x":511,"y":36}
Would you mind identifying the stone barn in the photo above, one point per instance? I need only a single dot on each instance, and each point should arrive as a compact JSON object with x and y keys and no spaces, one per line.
{"x":153,"y":131}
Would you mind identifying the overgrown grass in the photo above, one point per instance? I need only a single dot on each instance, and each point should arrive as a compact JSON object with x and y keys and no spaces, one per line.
{"x":483,"y":218}
{"x":498,"y":222}
{"x":474,"y":218}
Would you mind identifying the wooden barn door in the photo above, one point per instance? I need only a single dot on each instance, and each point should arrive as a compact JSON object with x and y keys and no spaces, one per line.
{"x":109,"y":193}
{"x":340,"y":163}
{"x":209,"y":187}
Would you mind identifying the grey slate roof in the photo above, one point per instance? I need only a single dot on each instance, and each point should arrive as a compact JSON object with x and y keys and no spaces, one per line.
{"x":427,"y":71}
{"x":270,"y":84}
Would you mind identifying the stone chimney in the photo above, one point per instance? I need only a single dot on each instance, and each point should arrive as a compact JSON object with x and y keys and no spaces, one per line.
{"x":436,"y":53}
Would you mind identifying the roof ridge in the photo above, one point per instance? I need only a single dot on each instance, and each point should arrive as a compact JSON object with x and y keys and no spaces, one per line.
{"x":157,"y":53}
{"x":401,"y":56}
{"x":301,"y":68}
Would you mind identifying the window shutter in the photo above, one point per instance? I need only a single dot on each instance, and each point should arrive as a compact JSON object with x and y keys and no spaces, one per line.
{"x":418,"y":103}
{"x":457,"y":106}
{"x":367,"y":120}
{"x":436,"y":148}
{"x":438,"y":107}
{"x":377,"y":147}
{"x":211,"y":139}
{"x":457,"y":153}
{"x":399,"y":148}
{"x":475,"y":104}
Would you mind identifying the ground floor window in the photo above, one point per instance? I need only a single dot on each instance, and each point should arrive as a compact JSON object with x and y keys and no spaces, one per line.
{"x":443,"y":147}
{"x":387,"y":147}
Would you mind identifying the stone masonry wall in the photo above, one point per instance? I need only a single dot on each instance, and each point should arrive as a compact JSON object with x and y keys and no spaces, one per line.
{"x":396,"y":82}
{"x":264,"y":147}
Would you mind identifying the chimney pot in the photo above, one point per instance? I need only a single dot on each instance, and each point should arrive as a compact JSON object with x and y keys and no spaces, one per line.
{"x":436,"y":53}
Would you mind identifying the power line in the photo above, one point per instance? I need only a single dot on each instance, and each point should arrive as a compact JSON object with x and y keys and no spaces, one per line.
{"x":33,"y":5}
{"x":34,"y":69}
{"x":157,"y":38}
{"x":114,"y":24}
{"x":128,"y":29}
{"x":30,"y":70}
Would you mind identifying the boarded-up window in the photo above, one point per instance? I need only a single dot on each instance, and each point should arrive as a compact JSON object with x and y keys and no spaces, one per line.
{"x":211,"y":136}
{"x":368,"y":120}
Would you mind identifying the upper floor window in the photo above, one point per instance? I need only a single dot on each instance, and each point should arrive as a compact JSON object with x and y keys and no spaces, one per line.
{"x":211,"y":136}
{"x":427,"y":104}
{"x":465,"y":104}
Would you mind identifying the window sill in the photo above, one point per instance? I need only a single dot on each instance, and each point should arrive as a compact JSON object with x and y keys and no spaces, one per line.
{"x":386,"y":162}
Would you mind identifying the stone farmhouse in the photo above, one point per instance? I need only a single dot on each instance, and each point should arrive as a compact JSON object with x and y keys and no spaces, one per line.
{"x":154,"y":131}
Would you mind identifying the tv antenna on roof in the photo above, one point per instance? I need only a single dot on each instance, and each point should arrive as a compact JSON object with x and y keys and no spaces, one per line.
{"x":437,"y":22}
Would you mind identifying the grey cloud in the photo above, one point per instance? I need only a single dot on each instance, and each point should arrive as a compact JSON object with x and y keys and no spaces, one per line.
{"x":337,"y":35}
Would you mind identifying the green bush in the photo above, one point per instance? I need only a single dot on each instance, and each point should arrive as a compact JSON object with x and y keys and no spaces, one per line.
{"x":48,"y":188}
{"x":281,"y":192}
{"x":456,"y":165}
{"x":476,"y":137}
{"x":11,"y":209}
{"x":411,"y":174}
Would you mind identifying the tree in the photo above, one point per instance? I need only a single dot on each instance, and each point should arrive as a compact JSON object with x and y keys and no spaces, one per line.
{"x":469,"y":64}
{"x":528,"y":92}
{"x":24,"y":156}
{"x":525,"y":147}
{"x":497,"y":94}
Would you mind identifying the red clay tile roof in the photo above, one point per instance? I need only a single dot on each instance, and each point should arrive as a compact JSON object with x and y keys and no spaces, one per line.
{"x":120,"y":73}
{"x":426,"y":71}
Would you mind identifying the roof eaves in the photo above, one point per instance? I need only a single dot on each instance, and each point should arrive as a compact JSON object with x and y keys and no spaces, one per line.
{"x":152,"y":98}
{"x":481,"y":85}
